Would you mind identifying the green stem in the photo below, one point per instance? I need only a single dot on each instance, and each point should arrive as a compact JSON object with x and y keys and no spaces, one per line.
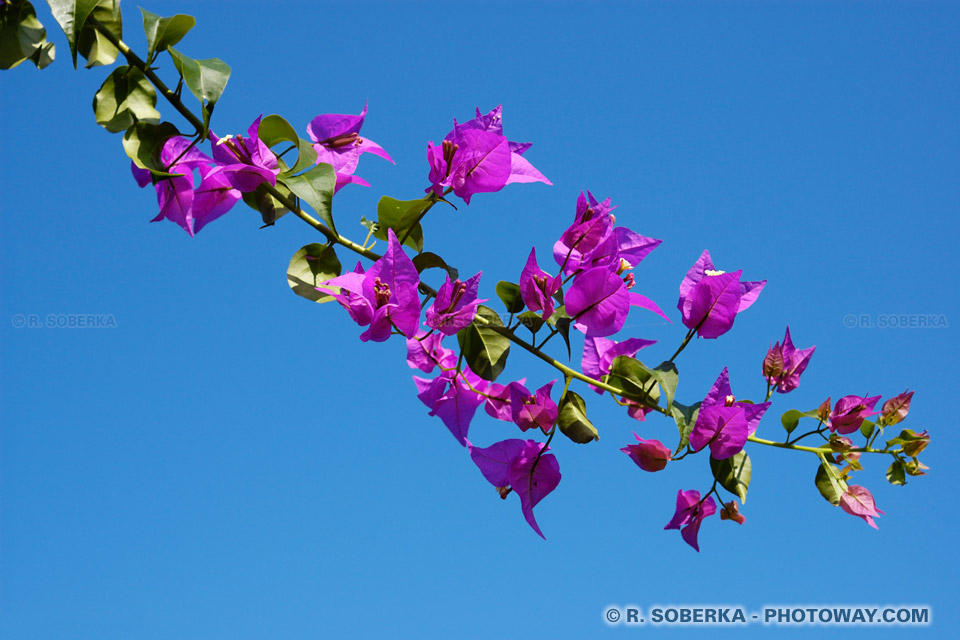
{"x":817,"y":450}
{"x":683,"y":344}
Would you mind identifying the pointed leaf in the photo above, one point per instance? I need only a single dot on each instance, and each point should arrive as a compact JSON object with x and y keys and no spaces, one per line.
{"x":143,"y":142}
{"x":315,"y":187}
{"x":667,"y":376}
{"x":164,"y":32}
{"x":733,"y":474}
{"x":403,"y":216}
{"x":686,"y":418}
{"x":484,"y":349}
{"x":92,"y":44}
{"x":790,"y":420}
{"x":72,"y":15}
{"x":573,"y":421}
{"x":509,"y":294}
{"x":531,"y":321}
{"x":896,"y":474}
{"x":206,"y":78}
{"x":125,"y":98}
{"x":829,"y":482}
{"x":428,"y":260}
{"x":313,"y":264}
{"x":634,"y":378}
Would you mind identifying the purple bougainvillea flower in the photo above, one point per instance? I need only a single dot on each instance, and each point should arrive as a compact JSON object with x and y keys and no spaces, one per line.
{"x":592,"y":225}
{"x":475,"y":157}
{"x":450,"y":397}
{"x":710,"y":300}
{"x":592,"y":241}
{"x":522,"y":466}
{"x":190,"y":207}
{"x":425,"y":352}
{"x":858,"y":501}
{"x":784,"y":364}
{"x":246,"y":162}
{"x":537,"y":286}
{"x":598,"y":355}
{"x":724,"y":424}
{"x":385,"y":297}
{"x":498,"y":401}
{"x":650,"y":455}
{"x":598,"y":302}
{"x":850,"y":412}
{"x":689,"y":514}
{"x":337,"y":141}
{"x":530,"y":410}
{"x":455,"y":305}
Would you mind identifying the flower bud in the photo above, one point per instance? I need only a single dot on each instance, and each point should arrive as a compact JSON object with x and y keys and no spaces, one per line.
{"x":895,"y":409}
{"x":731,"y":511}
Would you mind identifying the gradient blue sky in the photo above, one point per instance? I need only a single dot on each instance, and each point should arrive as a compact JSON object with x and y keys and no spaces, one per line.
{"x":230,"y":461}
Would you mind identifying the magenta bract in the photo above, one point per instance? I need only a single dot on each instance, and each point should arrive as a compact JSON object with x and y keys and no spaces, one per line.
{"x":689,"y":514}
{"x":514,"y":464}
{"x":710,"y":300}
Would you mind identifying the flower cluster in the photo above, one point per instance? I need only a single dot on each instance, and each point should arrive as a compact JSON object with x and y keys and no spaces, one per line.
{"x":240,"y":164}
{"x":590,"y":290}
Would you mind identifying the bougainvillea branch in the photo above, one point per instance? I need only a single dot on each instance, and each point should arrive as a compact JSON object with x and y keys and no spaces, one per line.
{"x":591,"y":292}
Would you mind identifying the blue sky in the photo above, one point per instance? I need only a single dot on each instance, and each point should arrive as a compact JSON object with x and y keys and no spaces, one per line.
{"x":229,"y":460}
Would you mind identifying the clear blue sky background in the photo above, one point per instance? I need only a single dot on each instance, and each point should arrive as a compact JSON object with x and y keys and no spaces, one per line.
{"x":230,"y":461}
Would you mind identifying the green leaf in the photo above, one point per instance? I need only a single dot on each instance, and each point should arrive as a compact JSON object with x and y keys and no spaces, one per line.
{"x":686,"y":418}
{"x":667,"y":376}
{"x":733,"y":474}
{"x":790,"y":420}
{"x":428,"y":260}
{"x":72,"y":15}
{"x":509,"y":294}
{"x":205,"y":78}
{"x":270,"y":208}
{"x":143,"y":142}
{"x":572,"y":419}
{"x":911,"y":442}
{"x":531,"y":321}
{"x":829,"y":482}
{"x":402,"y":216}
{"x":633,"y":378}
{"x":164,"y":32}
{"x":312,"y":265}
{"x":896,"y":473}
{"x":315,"y":187}
{"x":563,"y":328}
{"x":22,"y":37}
{"x":92,"y":44}
{"x":274,"y":130}
{"x":125,"y":98}
{"x":866,"y":428}
{"x":484,"y":349}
